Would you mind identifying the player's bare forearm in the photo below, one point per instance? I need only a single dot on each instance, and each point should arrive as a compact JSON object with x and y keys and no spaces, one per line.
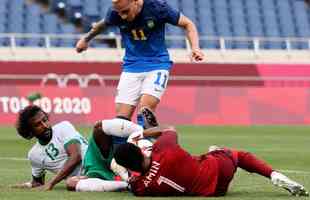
{"x":157,"y":131}
{"x":67,"y":169}
{"x":74,"y":159}
{"x":82,"y":44}
{"x":96,"y":29}
{"x":191,"y":31}
{"x":193,"y":38}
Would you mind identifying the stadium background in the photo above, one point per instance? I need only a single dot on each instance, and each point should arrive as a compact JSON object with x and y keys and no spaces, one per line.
{"x":256,"y":72}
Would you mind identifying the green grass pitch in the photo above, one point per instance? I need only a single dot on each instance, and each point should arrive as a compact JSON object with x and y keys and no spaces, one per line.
{"x":287,"y":148}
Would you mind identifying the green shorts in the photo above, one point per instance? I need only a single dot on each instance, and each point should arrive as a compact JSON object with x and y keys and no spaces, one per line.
{"x":94,"y":165}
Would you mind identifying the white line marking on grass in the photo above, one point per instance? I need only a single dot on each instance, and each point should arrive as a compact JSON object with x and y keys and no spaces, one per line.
{"x":13,"y":158}
{"x":294,"y":171}
{"x":15,"y":171}
{"x":281,"y":170}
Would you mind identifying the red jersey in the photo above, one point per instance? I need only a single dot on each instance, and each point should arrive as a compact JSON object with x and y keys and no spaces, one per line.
{"x":175,"y":172}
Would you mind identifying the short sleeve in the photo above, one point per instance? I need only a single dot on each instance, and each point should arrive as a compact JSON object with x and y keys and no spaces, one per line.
{"x":37,"y":170}
{"x":112,"y":18}
{"x":168,"y":13}
{"x":69,"y":134}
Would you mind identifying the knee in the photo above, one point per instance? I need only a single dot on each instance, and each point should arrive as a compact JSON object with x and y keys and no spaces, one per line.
{"x":72,"y":182}
{"x":97,"y":130}
{"x":98,"y":126}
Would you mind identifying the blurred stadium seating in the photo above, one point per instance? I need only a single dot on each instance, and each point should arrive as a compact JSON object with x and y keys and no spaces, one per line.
{"x":220,"y":18}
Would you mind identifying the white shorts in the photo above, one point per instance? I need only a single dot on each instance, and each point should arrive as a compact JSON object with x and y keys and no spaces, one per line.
{"x":132,"y":86}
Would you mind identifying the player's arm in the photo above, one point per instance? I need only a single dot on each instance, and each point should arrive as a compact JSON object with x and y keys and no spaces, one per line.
{"x":74,"y":159}
{"x":154,"y":132}
{"x":193,"y":37}
{"x":37,"y":171}
{"x":96,"y":29}
{"x":157,"y":131}
{"x":136,"y":186}
{"x":37,"y":181}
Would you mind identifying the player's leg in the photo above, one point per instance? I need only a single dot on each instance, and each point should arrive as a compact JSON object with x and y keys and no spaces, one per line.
{"x":244,"y":160}
{"x":145,"y":115}
{"x":125,"y":110}
{"x":251,"y":163}
{"x":128,"y":93}
{"x":85,"y":184}
{"x":120,"y":127}
{"x":149,"y":117}
{"x":71,"y":182}
{"x":154,"y":86}
{"x":97,"y":172}
{"x":100,"y":140}
{"x":97,"y":159}
{"x":226,"y":168}
{"x":99,"y":185}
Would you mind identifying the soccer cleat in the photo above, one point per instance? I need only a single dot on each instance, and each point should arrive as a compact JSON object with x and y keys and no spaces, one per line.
{"x":293,"y":187}
{"x":149,"y":118}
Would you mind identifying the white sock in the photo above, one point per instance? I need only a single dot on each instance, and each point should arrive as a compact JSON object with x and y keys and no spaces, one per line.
{"x":119,"y":170}
{"x":120,"y":127}
{"x":99,"y":185}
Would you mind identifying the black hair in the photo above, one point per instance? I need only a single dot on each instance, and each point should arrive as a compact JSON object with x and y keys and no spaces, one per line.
{"x":122,"y":117}
{"x":129,"y":156}
{"x":22,"y":124}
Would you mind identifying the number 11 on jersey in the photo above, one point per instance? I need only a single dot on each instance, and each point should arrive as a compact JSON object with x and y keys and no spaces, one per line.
{"x":138,"y":34}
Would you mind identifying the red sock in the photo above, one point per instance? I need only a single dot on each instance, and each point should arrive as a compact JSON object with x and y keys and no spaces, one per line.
{"x":250,"y":163}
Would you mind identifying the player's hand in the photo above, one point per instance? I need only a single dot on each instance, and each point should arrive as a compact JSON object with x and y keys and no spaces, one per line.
{"x":81,"y":45}
{"x":197,"y":55}
{"x":26,"y":185}
{"x":46,"y":187}
{"x":133,"y":178}
{"x":134,"y":137}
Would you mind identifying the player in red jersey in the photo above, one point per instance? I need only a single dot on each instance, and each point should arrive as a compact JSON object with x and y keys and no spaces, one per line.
{"x":171,"y":171}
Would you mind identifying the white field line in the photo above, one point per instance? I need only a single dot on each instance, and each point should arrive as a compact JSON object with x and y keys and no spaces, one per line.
{"x":281,"y":170}
{"x":294,"y":171}
{"x":13,"y":159}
